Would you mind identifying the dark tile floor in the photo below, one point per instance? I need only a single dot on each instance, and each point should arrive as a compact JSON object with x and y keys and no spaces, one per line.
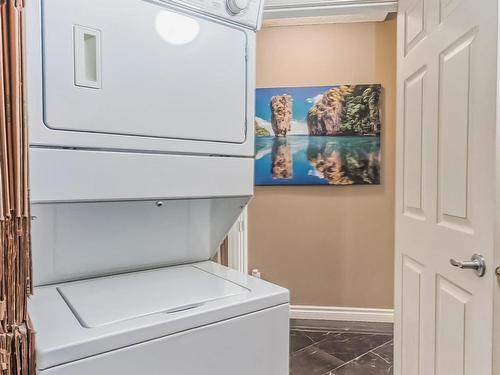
{"x":341,"y":350}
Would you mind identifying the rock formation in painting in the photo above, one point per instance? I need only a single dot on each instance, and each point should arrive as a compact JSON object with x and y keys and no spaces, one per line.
{"x":282,"y":162}
{"x":346,"y":110}
{"x":325,"y":117}
{"x":330,"y":167}
{"x":281,"y":114}
{"x":340,"y":163}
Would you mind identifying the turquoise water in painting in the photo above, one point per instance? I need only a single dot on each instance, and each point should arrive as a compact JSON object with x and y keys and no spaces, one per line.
{"x":323,"y":160}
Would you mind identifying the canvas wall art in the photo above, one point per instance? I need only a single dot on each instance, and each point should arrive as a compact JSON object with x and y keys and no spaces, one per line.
{"x":321,"y":135}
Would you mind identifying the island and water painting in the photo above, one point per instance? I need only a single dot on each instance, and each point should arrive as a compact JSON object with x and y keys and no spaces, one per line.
{"x":321,"y":135}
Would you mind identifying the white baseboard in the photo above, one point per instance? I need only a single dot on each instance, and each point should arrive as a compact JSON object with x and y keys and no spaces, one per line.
{"x":354,"y":314}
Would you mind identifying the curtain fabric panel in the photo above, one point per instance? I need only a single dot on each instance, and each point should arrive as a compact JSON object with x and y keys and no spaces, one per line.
{"x":17,"y":353}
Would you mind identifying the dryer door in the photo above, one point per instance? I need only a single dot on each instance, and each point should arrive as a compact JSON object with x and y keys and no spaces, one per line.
{"x":140,"y":69}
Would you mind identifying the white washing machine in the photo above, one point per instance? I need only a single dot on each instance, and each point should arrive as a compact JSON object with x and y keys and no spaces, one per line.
{"x":198,"y":318}
{"x":141,"y":146}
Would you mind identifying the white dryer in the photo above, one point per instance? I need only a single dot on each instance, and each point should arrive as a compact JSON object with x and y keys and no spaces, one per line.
{"x":141,"y":147}
{"x":171,"y":76}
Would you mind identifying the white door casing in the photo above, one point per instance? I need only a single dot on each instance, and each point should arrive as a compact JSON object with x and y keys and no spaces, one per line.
{"x":445,"y":200}
{"x":238,"y":243}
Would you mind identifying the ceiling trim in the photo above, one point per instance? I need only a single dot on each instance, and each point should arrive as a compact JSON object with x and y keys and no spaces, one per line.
{"x":281,"y":9}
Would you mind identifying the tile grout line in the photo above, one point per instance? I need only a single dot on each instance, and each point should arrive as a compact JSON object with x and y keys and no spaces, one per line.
{"x":341,"y":330}
{"x":326,"y":334}
{"x":308,"y":346}
{"x":373,"y":352}
{"x":330,"y":334}
{"x":329,"y":372}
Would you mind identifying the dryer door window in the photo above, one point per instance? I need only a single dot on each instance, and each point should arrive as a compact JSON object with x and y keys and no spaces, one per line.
{"x":136,"y":68}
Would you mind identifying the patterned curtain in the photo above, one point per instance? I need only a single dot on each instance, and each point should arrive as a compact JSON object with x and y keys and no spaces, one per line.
{"x":17,"y":353}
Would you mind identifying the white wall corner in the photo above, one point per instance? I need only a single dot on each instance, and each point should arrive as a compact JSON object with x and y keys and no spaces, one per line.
{"x":354,"y":314}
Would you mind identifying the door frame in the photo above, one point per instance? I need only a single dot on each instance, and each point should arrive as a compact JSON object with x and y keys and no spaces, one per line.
{"x":496,"y":250}
{"x":237,"y":243}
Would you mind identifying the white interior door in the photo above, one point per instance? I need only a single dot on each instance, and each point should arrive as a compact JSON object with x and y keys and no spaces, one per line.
{"x":447,"y":90}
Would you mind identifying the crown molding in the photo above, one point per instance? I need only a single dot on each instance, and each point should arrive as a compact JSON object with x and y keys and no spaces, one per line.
{"x":329,"y":11}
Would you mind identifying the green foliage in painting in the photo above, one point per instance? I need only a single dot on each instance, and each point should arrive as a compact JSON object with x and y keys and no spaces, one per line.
{"x":260,"y":131}
{"x":346,"y":110}
{"x":360,"y":113}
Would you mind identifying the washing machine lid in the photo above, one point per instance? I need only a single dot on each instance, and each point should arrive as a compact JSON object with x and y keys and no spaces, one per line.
{"x":107,"y":300}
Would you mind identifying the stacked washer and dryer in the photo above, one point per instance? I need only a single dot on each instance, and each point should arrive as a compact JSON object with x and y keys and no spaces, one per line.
{"x":141,"y":141}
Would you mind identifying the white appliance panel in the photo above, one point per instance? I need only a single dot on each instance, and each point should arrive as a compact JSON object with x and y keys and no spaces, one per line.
{"x":61,"y":175}
{"x":80,"y":240}
{"x":130,"y":67}
{"x":255,"y":343}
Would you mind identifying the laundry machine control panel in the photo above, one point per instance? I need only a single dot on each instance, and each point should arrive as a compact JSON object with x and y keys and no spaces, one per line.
{"x":246,"y":12}
{"x":237,"y":6}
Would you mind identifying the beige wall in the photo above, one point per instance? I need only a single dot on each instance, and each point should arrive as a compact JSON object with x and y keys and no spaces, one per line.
{"x":331,"y":246}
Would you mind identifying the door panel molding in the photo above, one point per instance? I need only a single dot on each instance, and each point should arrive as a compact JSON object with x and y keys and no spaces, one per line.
{"x":452,"y":302}
{"x":414,"y":24}
{"x":413,"y":129}
{"x":454,"y":121}
{"x":411,"y":296}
